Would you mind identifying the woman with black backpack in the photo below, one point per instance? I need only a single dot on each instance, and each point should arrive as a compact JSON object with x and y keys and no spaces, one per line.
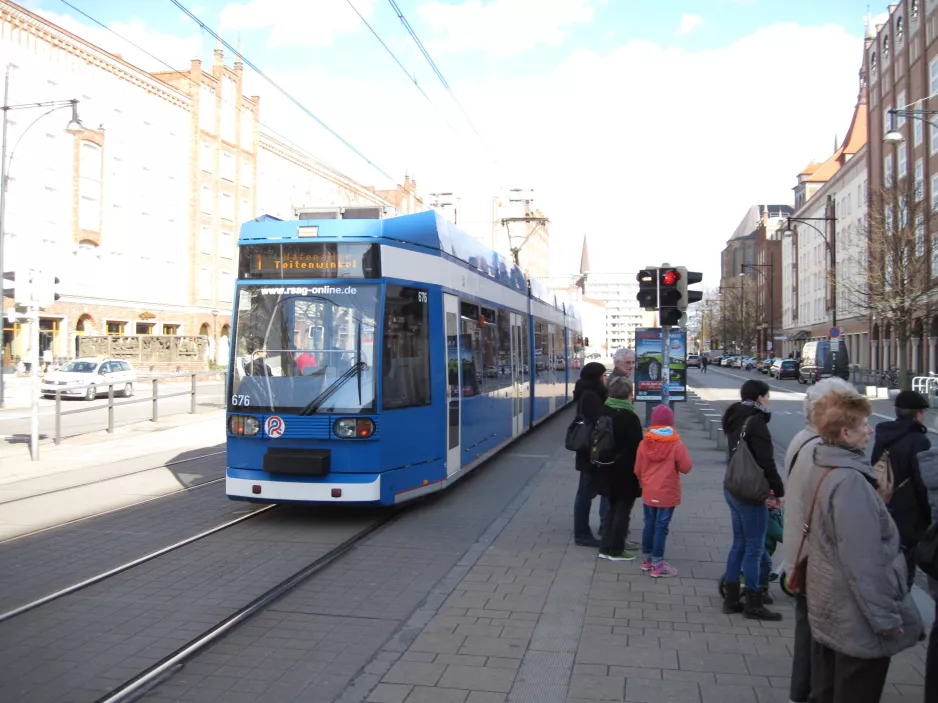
{"x":615,"y":474}
{"x":590,"y":395}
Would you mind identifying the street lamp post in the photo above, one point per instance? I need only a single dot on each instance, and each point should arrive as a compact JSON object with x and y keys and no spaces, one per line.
{"x":74,"y":127}
{"x":771,"y":281}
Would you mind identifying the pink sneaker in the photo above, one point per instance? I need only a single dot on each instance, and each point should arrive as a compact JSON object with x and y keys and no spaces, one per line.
{"x":663,"y":569}
{"x":646,"y":564}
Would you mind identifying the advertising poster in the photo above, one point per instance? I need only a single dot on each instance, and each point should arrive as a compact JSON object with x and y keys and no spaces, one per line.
{"x":648,"y":372}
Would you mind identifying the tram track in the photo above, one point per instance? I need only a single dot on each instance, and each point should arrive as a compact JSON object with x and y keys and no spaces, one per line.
{"x":152,"y":676}
{"x":126,"y":566}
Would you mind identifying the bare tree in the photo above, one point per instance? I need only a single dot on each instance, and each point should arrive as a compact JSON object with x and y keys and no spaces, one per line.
{"x":893,"y":276}
{"x":741,"y":316}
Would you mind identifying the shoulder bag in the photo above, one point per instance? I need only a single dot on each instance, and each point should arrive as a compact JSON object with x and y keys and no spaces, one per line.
{"x":796,"y":576}
{"x":579,"y":432}
{"x":745,"y":480}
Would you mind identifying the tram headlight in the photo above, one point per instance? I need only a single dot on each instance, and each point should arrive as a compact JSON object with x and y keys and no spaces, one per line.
{"x":353,"y":427}
{"x":243,"y":425}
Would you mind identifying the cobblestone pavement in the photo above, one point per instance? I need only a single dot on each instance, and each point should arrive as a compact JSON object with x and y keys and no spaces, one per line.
{"x":536,"y":618}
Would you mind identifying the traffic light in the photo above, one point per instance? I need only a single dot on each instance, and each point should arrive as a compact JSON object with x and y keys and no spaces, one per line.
{"x":45,"y":293}
{"x":669,"y":296}
{"x":647,"y":289}
{"x":688,"y":278}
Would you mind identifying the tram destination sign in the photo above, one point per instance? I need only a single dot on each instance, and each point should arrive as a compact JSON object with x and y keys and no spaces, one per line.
{"x":309,"y":260}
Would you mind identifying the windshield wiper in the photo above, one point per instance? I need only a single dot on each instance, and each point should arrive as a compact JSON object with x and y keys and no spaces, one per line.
{"x":316,"y":402}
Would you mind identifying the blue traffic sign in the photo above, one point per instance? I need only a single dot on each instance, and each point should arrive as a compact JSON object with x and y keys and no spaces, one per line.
{"x":834,"y":332}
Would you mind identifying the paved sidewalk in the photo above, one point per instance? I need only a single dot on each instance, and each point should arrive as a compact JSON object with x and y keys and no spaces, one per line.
{"x":98,"y":472}
{"x":532,"y":617}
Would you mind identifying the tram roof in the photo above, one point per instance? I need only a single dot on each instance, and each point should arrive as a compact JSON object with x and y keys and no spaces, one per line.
{"x":423,"y":229}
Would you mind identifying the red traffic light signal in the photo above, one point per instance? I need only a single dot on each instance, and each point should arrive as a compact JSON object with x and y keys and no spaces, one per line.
{"x":670,"y":277}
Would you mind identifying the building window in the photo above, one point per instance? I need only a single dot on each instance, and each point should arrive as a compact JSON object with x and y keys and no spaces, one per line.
{"x":171,"y":330}
{"x":145,"y":328}
{"x":228,"y":102}
{"x":917,"y":127}
{"x":899,"y":31}
{"x":207,"y":109}
{"x":247,"y":174}
{"x":226,"y":244}
{"x":205,"y":283}
{"x":885,"y":47}
{"x":887,"y":170}
{"x":207,"y":157}
{"x":205,"y":201}
{"x":89,"y":187}
{"x":225,"y":286}
{"x":406,"y":359}
{"x":226,"y":209}
{"x":934,"y":193}
{"x":900,"y":104}
{"x":227,"y":166}
{"x":919,"y":180}
{"x":115,"y":327}
{"x":920,"y":236}
{"x":903,"y":159}
{"x":246,"y":213}
{"x":914,"y":10}
{"x":873,"y":63}
{"x":247,"y":129}
{"x":205,"y":239}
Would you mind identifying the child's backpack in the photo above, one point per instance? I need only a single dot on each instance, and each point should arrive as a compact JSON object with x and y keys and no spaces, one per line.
{"x":603,"y":442}
{"x":884,"y":477}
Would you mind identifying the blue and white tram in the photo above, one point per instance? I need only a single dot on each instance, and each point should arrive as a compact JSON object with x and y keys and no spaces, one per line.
{"x":374,"y":361}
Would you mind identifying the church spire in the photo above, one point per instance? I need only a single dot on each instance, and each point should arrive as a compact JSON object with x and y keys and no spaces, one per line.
{"x":584,"y":258}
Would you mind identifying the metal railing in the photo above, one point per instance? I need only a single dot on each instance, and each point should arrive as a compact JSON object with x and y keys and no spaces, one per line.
{"x":927,"y":386}
{"x":154,"y":400}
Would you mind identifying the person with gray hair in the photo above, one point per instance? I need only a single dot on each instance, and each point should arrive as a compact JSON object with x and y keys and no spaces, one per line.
{"x":798,"y":460}
{"x":623,"y":366}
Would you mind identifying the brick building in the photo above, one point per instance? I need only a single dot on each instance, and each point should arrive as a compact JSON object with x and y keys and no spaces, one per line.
{"x":139,"y":214}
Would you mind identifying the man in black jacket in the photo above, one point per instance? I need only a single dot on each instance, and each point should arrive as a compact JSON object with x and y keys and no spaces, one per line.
{"x":903,"y":438}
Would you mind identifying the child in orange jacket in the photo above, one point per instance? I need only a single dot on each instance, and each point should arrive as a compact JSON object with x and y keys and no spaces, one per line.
{"x":662,"y":458}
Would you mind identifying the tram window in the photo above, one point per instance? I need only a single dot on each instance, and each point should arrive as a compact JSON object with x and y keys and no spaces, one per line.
{"x":470,"y":350}
{"x":560,"y":360}
{"x":406,"y":358}
{"x":504,"y":347}
{"x":541,"y":348}
{"x":489,"y":326}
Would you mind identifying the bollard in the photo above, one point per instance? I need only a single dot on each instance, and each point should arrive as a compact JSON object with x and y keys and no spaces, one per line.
{"x":721,"y":438}
{"x":192,"y":403}
{"x":714,"y":428}
{"x":702,"y":409}
{"x":156,"y":389}
{"x":58,"y":417}
{"x":110,"y":408}
{"x":709,"y":417}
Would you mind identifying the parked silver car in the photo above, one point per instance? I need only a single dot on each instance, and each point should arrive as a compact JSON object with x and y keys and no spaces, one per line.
{"x":90,"y":377}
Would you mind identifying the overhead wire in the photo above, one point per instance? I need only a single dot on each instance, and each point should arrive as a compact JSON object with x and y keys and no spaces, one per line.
{"x":436,"y":70}
{"x":247,"y":62}
{"x":412,"y":77}
{"x":285,"y":139}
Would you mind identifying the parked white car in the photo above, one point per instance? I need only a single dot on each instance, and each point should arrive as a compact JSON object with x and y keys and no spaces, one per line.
{"x":90,"y":377}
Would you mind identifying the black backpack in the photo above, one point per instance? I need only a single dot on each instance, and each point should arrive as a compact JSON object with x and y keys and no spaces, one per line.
{"x":603,"y":442}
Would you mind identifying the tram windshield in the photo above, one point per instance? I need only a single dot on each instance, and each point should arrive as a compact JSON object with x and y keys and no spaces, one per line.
{"x":304,"y":349}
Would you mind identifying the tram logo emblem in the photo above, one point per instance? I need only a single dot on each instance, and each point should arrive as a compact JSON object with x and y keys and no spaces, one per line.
{"x":274,"y":426}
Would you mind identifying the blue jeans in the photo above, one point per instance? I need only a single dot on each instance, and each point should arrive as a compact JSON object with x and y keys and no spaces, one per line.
{"x":655,"y":532}
{"x":583,"y":504}
{"x":746,"y":555}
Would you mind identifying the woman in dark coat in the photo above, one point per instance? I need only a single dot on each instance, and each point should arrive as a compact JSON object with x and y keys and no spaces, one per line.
{"x":617,"y":481}
{"x":590,"y":395}
{"x":750,"y":520}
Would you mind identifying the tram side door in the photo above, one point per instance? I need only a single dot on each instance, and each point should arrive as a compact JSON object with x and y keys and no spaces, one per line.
{"x":517,"y":375}
{"x":453,"y":384}
{"x":551,"y":374}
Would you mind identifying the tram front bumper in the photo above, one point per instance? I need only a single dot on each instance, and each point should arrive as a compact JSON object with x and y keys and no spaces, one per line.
{"x":286,"y":491}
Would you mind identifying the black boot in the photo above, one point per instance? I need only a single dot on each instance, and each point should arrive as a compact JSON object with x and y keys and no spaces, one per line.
{"x":756,"y":610}
{"x":732,"y":604}
{"x":767,"y":598}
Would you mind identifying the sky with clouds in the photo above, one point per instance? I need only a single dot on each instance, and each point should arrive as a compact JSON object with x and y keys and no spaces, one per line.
{"x":650,"y":127}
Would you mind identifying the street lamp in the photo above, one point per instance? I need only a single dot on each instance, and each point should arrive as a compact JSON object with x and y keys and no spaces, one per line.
{"x":74,"y":126}
{"x":770,"y":279}
{"x":830,"y":250}
{"x":894,"y":136}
